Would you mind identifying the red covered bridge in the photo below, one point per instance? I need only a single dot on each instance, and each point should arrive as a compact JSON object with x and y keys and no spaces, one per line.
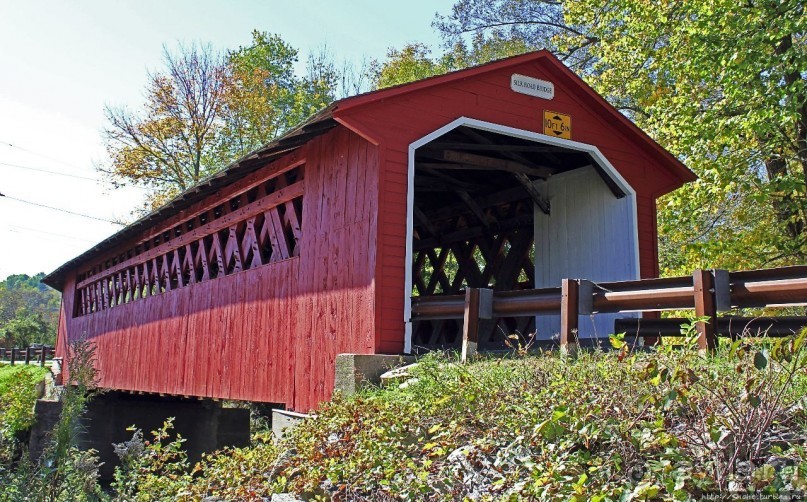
{"x":511,"y":174}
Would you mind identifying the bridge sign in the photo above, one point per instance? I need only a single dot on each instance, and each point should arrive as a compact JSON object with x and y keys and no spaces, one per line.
{"x":557,"y":124}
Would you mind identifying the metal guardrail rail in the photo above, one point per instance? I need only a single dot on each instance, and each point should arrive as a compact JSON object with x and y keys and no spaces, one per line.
{"x":708,"y":292}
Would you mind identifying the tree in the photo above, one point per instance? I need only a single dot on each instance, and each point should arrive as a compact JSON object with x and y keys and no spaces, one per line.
{"x":25,"y":328}
{"x":264,"y":98}
{"x":29,"y":311}
{"x":414,"y":61}
{"x":719,"y":84}
{"x":170,"y":145}
{"x":205,"y":110}
{"x":531,"y":24}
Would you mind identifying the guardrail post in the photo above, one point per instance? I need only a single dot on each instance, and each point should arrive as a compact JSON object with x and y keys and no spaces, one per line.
{"x":470,"y":324}
{"x":27,"y":355}
{"x":13,"y":353}
{"x":722,"y":287}
{"x":478,"y":305}
{"x":569,"y":314}
{"x":42,"y":355}
{"x":705,"y":306}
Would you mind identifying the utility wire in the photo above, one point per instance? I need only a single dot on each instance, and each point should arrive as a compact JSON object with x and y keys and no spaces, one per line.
{"x":61,"y":210}
{"x":3,"y":142}
{"x":44,"y":238}
{"x":14,"y":228}
{"x":39,"y":169}
{"x":52,"y":172}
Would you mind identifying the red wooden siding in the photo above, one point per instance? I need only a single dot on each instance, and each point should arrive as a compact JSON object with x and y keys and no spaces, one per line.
{"x":265,"y":330}
{"x":398,"y":121}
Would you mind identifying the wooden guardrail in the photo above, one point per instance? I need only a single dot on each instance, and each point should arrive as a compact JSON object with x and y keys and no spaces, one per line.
{"x":708,"y":292}
{"x":27,"y":355}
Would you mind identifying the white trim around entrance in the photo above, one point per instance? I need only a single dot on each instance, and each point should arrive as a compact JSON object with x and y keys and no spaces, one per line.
{"x":592,"y":150}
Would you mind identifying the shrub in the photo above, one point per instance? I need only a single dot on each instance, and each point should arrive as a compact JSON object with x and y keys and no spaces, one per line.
{"x":63,"y":472}
{"x":672,"y":424}
{"x":18,"y":394}
{"x":152,"y":469}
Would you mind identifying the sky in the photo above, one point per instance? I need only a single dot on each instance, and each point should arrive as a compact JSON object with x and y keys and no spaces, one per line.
{"x":62,"y":62}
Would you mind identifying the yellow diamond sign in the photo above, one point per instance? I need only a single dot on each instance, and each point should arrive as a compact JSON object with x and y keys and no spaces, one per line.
{"x":557,"y":125}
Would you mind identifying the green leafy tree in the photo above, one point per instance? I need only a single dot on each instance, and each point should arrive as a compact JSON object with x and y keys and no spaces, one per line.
{"x":415,"y":61}
{"x":25,"y":329}
{"x":719,"y":84}
{"x":263,"y":98}
{"x":29,"y":311}
{"x":410,"y":63}
{"x":205,"y":109}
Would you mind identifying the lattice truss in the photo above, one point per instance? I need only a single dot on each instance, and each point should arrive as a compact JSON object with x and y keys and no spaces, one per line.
{"x":453,"y":250}
{"x":258,"y":226}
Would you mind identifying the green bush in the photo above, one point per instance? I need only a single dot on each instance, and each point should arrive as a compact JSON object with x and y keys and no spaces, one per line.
{"x":18,"y":394}
{"x":671,"y":424}
{"x":158,"y":466}
{"x":63,"y":473}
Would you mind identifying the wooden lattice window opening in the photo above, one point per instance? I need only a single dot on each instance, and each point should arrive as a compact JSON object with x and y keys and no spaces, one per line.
{"x":258,"y":226}
{"x":446,"y":261}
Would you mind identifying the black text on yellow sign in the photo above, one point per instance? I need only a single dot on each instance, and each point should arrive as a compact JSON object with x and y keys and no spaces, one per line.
{"x":557,"y":124}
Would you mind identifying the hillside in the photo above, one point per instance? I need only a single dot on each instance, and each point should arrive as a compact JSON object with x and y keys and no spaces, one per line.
{"x":601,"y":426}
{"x":671,"y":424}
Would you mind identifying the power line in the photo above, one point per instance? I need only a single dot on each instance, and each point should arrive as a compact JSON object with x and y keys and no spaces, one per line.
{"x":46,"y":238}
{"x":52,"y":172}
{"x":39,"y":169}
{"x":73,"y":237}
{"x":61,"y":210}
{"x":3,"y":142}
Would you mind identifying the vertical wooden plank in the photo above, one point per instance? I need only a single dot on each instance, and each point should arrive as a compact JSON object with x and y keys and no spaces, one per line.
{"x":339,"y":168}
{"x":372,"y":169}
{"x":217,"y":332}
{"x":250,"y":332}
{"x":353,"y":171}
{"x":190,"y":329}
{"x":203,"y":336}
{"x":237,"y":338}
{"x":703,"y":283}
{"x":270,"y":342}
{"x":300,"y":338}
{"x":470,"y":324}
{"x":569,"y":313}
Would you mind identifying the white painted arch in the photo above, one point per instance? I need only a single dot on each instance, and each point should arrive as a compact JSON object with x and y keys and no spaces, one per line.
{"x":481,"y":125}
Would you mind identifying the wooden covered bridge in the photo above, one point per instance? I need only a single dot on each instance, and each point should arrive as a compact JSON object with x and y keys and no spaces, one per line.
{"x":509,"y":175}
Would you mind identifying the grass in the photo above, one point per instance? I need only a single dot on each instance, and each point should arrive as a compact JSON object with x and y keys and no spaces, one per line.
{"x":7,"y":373}
{"x":17,"y":397}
